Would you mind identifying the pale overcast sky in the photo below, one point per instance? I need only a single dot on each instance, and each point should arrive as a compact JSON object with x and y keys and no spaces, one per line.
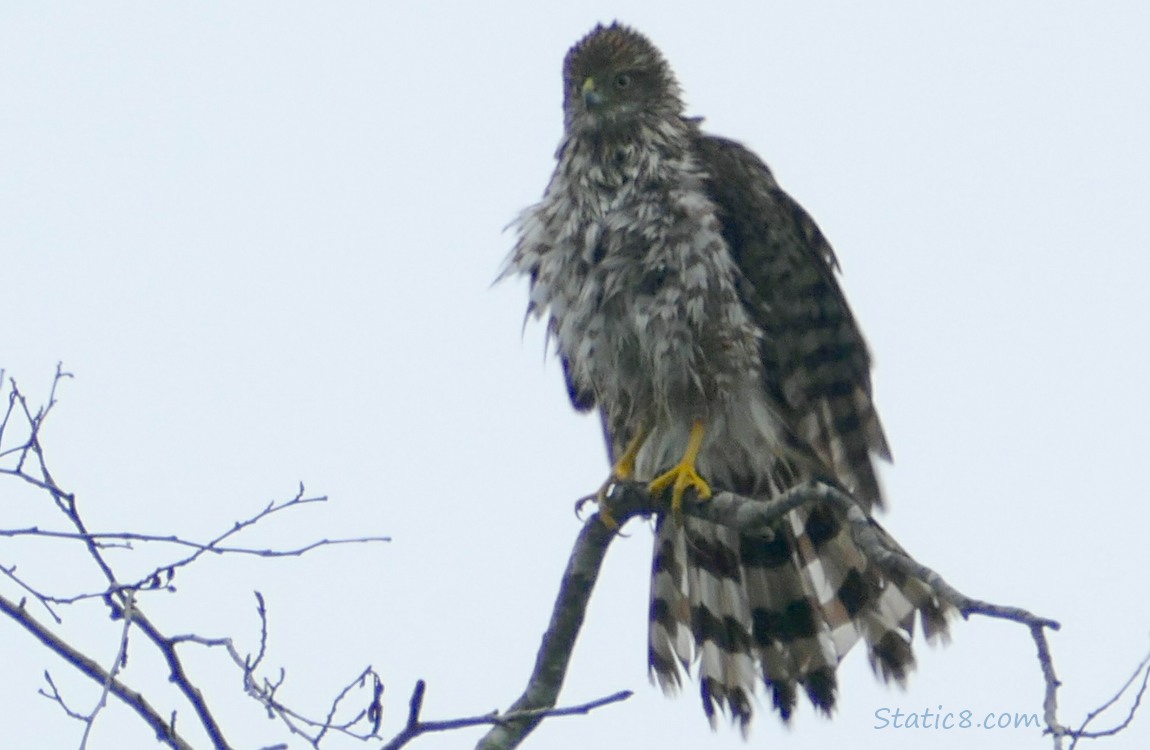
{"x":263,"y":235}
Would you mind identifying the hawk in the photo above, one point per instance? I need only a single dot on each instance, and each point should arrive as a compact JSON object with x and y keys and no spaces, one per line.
{"x":695,"y":305}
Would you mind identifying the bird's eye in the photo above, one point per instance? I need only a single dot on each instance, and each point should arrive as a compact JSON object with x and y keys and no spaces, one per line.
{"x":622,"y":81}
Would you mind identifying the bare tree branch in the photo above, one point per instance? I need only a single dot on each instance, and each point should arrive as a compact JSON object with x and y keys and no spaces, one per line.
{"x":415,"y":726}
{"x":165,"y":731}
{"x":22,"y":457}
{"x":749,"y":516}
{"x":264,"y":691}
{"x":10,"y":572}
{"x":117,"y":664}
{"x":26,"y":462}
{"x":559,"y":641}
{"x":104,"y":540}
{"x":1081,"y":733}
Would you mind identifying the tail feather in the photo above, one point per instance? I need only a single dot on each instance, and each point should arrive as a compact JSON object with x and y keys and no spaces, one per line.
{"x":781,"y":611}
{"x":720,"y":617}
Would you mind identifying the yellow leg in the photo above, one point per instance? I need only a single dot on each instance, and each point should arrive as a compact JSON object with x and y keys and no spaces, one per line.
{"x":624,"y":468}
{"x":625,"y":465}
{"x":684,"y":474}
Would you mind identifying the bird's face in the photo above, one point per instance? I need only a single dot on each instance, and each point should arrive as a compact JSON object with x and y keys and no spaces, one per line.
{"x":613,"y":93}
{"x":614,"y":77}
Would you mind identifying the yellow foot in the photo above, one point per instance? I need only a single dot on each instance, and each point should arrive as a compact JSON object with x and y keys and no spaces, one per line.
{"x":604,"y":511}
{"x":684,"y":474}
{"x":624,"y":468}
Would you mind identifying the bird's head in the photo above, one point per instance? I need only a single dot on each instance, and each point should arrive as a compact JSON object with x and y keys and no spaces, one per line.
{"x":614,"y":78}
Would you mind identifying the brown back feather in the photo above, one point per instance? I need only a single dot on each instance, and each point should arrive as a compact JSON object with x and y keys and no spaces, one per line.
{"x":815,"y":363}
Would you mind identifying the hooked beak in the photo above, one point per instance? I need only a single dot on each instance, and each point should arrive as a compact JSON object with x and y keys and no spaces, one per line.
{"x":591,"y":97}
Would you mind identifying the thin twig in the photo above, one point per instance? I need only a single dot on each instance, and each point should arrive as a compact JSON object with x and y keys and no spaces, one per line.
{"x":45,"y":601}
{"x":86,"y":665}
{"x":27,"y":462}
{"x":117,"y":664}
{"x":104,"y":537}
{"x":1081,"y":733}
{"x":263,"y":691}
{"x":415,"y":726}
